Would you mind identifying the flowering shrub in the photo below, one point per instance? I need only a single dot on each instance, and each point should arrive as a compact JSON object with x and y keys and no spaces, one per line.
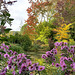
{"x":12,"y":63}
{"x":67,"y":59}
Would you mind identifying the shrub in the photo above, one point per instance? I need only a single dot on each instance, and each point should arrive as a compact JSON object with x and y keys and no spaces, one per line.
{"x":71,"y":42}
{"x":17,"y":48}
{"x":51,"y":43}
{"x":22,"y":40}
{"x":25,"y":42}
{"x":35,"y":47}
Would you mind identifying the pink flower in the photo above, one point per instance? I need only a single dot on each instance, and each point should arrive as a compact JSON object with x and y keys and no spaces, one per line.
{"x":6,"y":56}
{"x":64,"y":66}
{"x":57,"y":65}
{"x":52,"y":64}
{"x":40,"y":68}
{"x":31,"y":68}
{"x":44,"y":56}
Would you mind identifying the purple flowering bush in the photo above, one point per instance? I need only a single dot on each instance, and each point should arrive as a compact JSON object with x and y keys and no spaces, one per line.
{"x":66,"y":63}
{"x":12,"y":63}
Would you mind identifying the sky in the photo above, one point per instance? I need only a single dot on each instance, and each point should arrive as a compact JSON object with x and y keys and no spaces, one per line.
{"x":18,"y":13}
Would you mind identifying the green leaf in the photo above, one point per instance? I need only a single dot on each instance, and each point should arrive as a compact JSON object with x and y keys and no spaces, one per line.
{"x":2,"y":51}
{"x":3,"y":22}
{"x":7,"y":30}
{"x":6,"y":43}
{"x":11,"y":19}
{"x":3,"y":39}
{"x":7,"y":14}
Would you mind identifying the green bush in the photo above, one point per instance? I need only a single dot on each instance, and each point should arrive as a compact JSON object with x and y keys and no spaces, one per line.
{"x":35,"y":47}
{"x":17,"y":48}
{"x":22,"y":40}
{"x":25,"y":42}
{"x":71,"y":42}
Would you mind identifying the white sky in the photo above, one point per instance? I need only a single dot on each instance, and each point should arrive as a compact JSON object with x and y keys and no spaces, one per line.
{"x":18,"y":13}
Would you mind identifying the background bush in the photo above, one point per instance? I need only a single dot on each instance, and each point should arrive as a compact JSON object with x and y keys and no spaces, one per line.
{"x":17,"y":48}
{"x":23,"y":40}
{"x":35,"y":47}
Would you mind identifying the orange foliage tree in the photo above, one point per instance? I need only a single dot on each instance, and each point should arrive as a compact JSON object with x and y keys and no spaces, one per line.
{"x":36,"y":8}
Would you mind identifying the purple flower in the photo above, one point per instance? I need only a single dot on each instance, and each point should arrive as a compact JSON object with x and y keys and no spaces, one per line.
{"x":54,"y":59}
{"x":74,"y":65}
{"x":7,"y":47}
{"x":3,"y":73}
{"x":14,"y":53}
{"x":71,"y":65}
{"x":65,"y":58}
{"x":62,"y":54}
{"x":9,"y":66}
{"x":72,"y":46}
{"x":15,"y":60}
{"x":31,"y":68}
{"x":64,"y":47}
{"x":14,"y":73}
{"x":3,"y":44}
{"x":10,"y":61}
{"x":68,"y":50}
{"x":20,"y":71}
{"x":29,"y":63}
{"x":2,"y":47}
{"x":65,"y":43}
{"x":23,"y":67}
{"x":72,"y":51}
{"x":5,"y":69}
{"x":1,"y":54}
{"x":61,"y":62}
{"x":54,"y":51}
{"x":57,"y":65}
{"x":57,"y":44}
{"x":11,"y":51}
{"x":19,"y":55}
{"x":62,"y":58}
{"x":35,"y":64}
{"x":70,"y":59}
{"x":44,"y":56}
{"x":61,"y":43}
{"x":6,"y":56}
{"x":40,"y":68}
{"x":28,"y":60}
{"x":64,"y":66}
{"x":52,"y":64}
{"x":48,"y":52}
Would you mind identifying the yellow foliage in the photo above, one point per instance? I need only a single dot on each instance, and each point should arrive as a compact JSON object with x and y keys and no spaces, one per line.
{"x":62,"y":31}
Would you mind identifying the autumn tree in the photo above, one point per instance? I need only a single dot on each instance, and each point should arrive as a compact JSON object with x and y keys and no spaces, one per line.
{"x":44,"y":10}
{"x":63,"y":32}
{"x":39,"y":11}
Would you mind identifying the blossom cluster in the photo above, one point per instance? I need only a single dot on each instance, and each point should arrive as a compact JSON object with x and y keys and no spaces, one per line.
{"x":50,"y":56}
{"x":16,"y":63}
{"x":67,"y":57}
